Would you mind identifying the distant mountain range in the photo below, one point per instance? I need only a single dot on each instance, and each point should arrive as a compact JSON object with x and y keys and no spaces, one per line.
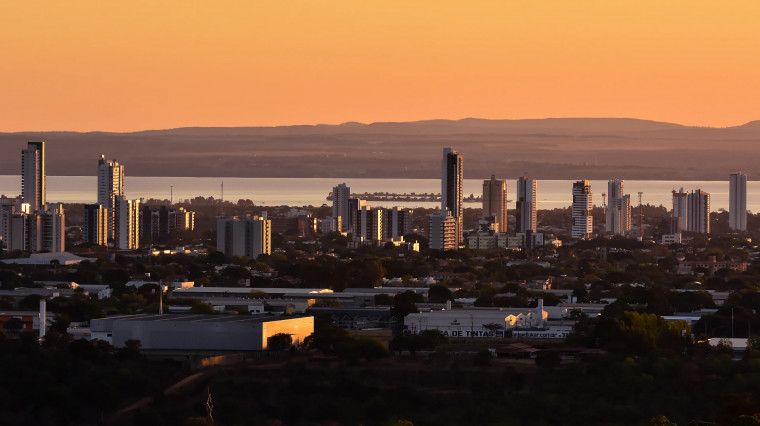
{"x":554,"y":148}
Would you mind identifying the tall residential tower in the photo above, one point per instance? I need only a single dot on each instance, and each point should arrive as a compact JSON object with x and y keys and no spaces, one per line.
{"x":583,"y":222}
{"x":680,"y":210}
{"x":110,"y":186}
{"x":619,"y":215}
{"x":452,"y":179}
{"x":737,"y":202}
{"x":33,"y":175}
{"x":340,"y":205}
{"x":495,"y":201}
{"x":527,"y":205}
{"x":699,"y":211}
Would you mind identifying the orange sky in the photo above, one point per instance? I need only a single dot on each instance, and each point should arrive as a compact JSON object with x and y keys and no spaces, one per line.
{"x":133,"y":65}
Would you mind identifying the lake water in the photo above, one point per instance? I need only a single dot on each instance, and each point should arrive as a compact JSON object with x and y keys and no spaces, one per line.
{"x":313,"y":191}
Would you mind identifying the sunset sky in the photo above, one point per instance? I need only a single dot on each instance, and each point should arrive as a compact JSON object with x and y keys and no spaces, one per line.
{"x":134,"y":65}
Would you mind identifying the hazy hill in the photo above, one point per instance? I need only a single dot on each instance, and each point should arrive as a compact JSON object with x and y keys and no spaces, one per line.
{"x":562,"y":148}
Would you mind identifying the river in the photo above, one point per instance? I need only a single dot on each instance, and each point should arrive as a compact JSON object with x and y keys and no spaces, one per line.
{"x":313,"y":191}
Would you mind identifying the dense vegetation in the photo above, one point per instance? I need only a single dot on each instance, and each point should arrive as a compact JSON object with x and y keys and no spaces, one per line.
{"x":73,"y":382}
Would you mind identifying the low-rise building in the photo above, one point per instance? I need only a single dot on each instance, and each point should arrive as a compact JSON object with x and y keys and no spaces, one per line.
{"x":711,"y":264}
{"x":199,"y":332}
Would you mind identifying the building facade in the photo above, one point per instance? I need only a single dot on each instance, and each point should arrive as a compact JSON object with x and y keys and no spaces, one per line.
{"x":8,"y":208}
{"x":442,"y":230}
{"x":680,"y":210}
{"x":583,"y":222}
{"x":33,"y":175}
{"x":698,"y":211}
{"x":354,"y":207}
{"x":340,"y":205}
{"x":397,"y":222}
{"x":369,"y":224}
{"x":38,"y":231}
{"x":495,"y":202}
{"x":618,"y":219}
{"x":737,"y":202}
{"x":249,"y":236}
{"x":95,"y":224}
{"x":127,"y":223}
{"x":110,"y":186}
{"x":527,"y":205}
{"x":452,"y":180}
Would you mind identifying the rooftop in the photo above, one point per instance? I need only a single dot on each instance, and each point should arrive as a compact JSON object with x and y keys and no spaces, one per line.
{"x":195,"y":318}
{"x":63,"y":258}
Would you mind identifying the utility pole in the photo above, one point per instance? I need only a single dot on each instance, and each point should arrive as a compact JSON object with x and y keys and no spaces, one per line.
{"x":171,"y":195}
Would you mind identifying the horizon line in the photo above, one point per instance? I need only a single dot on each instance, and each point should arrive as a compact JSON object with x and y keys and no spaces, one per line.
{"x":359,"y":123}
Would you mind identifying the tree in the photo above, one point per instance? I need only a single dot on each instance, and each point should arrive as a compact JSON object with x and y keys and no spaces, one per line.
{"x":383,"y":300}
{"x":405,"y":304}
{"x":439,"y":294}
{"x":200,"y":308}
{"x":279,"y":342}
{"x":659,"y":421}
{"x":13,"y":325}
{"x":30,"y":303}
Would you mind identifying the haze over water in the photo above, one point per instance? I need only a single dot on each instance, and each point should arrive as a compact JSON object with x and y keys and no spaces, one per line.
{"x":313,"y":191}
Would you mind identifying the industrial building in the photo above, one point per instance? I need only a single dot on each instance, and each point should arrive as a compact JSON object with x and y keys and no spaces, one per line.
{"x":199,"y":332}
{"x":476,"y":322}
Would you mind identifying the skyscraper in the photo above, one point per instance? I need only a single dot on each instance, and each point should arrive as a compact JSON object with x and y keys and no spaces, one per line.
{"x":527,"y":205}
{"x":354,"y":207}
{"x":452,"y":178}
{"x":495,"y":201}
{"x":95,"y":224}
{"x":33,"y":175}
{"x":340,"y":197}
{"x":698,"y":211}
{"x":680,"y":210}
{"x":110,"y":186}
{"x":737,"y":202}
{"x":618,"y":219}
{"x":126,"y":223}
{"x":583,"y":222}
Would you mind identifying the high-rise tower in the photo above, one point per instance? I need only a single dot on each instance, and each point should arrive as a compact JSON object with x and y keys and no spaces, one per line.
{"x":127,"y":223}
{"x":737,"y":202}
{"x":698,"y":211}
{"x":33,"y":175}
{"x":583,"y":222}
{"x":452,"y":179}
{"x":95,"y":224}
{"x":526,"y":205}
{"x":110,"y":186}
{"x":340,"y":205}
{"x":618,"y":218}
{"x":495,"y":201}
{"x":680,"y":210}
